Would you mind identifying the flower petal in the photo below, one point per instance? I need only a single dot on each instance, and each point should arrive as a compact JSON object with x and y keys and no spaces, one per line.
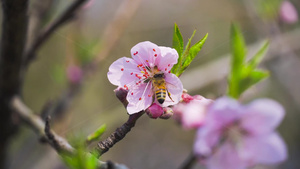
{"x":223,"y":112}
{"x":139,"y":97}
{"x":266,"y":149}
{"x":174,"y":87}
{"x":169,"y":57}
{"x":193,"y":114}
{"x":145,"y":53}
{"x":206,"y":140}
{"x":226,"y":157}
{"x":122,"y":72}
{"x":262,"y":116}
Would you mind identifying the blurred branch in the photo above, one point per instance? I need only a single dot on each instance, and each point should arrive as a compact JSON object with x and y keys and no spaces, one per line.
{"x":189,"y":162}
{"x":116,"y":27}
{"x":40,"y":127}
{"x":38,"y":14}
{"x":43,"y":130}
{"x":118,"y":134}
{"x":57,"y":108}
{"x":66,"y":16}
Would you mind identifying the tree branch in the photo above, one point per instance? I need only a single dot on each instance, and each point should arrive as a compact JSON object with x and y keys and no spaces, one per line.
{"x":118,"y":134}
{"x":45,"y":34}
{"x":39,"y":13}
{"x":43,"y":130}
{"x":13,"y":38}
{"x":189,"y":162}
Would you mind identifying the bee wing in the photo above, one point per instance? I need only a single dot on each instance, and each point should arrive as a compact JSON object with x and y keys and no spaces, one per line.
{"x":174,"y":88}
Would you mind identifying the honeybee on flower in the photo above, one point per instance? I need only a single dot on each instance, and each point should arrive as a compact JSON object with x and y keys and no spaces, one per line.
{"x":147,"y":76}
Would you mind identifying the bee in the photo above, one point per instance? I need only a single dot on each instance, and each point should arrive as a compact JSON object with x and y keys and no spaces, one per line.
{"x":159,"y":87}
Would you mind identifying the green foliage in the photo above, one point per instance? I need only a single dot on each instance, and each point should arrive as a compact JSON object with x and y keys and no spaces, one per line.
{"x":243,"y":74}
{"x":186,"y":55}
{"x":87,"y":50}
{"x":81,"y":159}
{"x":58,"y":74}
{"x":267,"y":9}
{"x":97,"y":134}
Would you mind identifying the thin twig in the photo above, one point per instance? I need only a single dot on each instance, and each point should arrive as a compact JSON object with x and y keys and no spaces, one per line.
{"x":118,"y":134}
{"x":45,"y":34}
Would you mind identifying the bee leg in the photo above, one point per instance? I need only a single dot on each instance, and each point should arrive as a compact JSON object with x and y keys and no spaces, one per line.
{"x":153,"y":98}
{"x":170,"y":96}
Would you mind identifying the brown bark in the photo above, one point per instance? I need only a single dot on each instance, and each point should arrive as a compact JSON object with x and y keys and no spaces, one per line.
{"x":14,"y":28}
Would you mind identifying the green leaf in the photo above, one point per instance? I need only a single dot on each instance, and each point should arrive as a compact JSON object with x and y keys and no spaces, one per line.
{"x":97,"y":134}
{"x":177,"y":40}
{"x":177,"y":68}
{"x":259,"y":55}
{"x":253,"y":78}
{"x":243,"y":75}
{"x":194,"y":50}
{"x":186,"y":56}
{"x":238,"y":49}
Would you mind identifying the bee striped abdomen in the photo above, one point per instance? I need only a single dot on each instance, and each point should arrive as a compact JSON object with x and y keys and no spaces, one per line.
{"x":161,"y":95}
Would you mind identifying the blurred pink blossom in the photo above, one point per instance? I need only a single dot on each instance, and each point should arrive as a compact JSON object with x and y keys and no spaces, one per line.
{"x":288,"y":12}
{"x":191,"y":111}
{"x":74,"y":74}
{"x":136,"y":75}
{"x":237,"y":137}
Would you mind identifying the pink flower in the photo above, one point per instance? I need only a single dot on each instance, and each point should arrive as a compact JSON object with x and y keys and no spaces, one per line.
{"x":138,"y":76}
{"x":288,"y":12}
{"x":236,"y":136}
{"x":74,"y":74}
{"x":191,"y":111}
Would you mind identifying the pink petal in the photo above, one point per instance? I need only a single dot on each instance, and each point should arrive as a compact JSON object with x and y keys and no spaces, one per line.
{"x":267,"y":149}
{"x":139,"y":97}
{"x":226,"y":157}
{"x":122,"y":72}
{"x":193,"y":114}
{"x":145,"y":53}
{"x":174,"y":87}
{"x":169,"y":57}
{"x":288,"y":13}
{"x":206,"y":140}
{"x":223,"y":112}
{"x":262,"y":116}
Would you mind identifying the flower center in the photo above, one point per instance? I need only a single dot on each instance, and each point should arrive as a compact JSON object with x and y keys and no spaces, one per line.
{"x":234,"y":133}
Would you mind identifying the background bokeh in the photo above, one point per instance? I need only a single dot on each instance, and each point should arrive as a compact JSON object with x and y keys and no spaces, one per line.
{"x":157,"y":143}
